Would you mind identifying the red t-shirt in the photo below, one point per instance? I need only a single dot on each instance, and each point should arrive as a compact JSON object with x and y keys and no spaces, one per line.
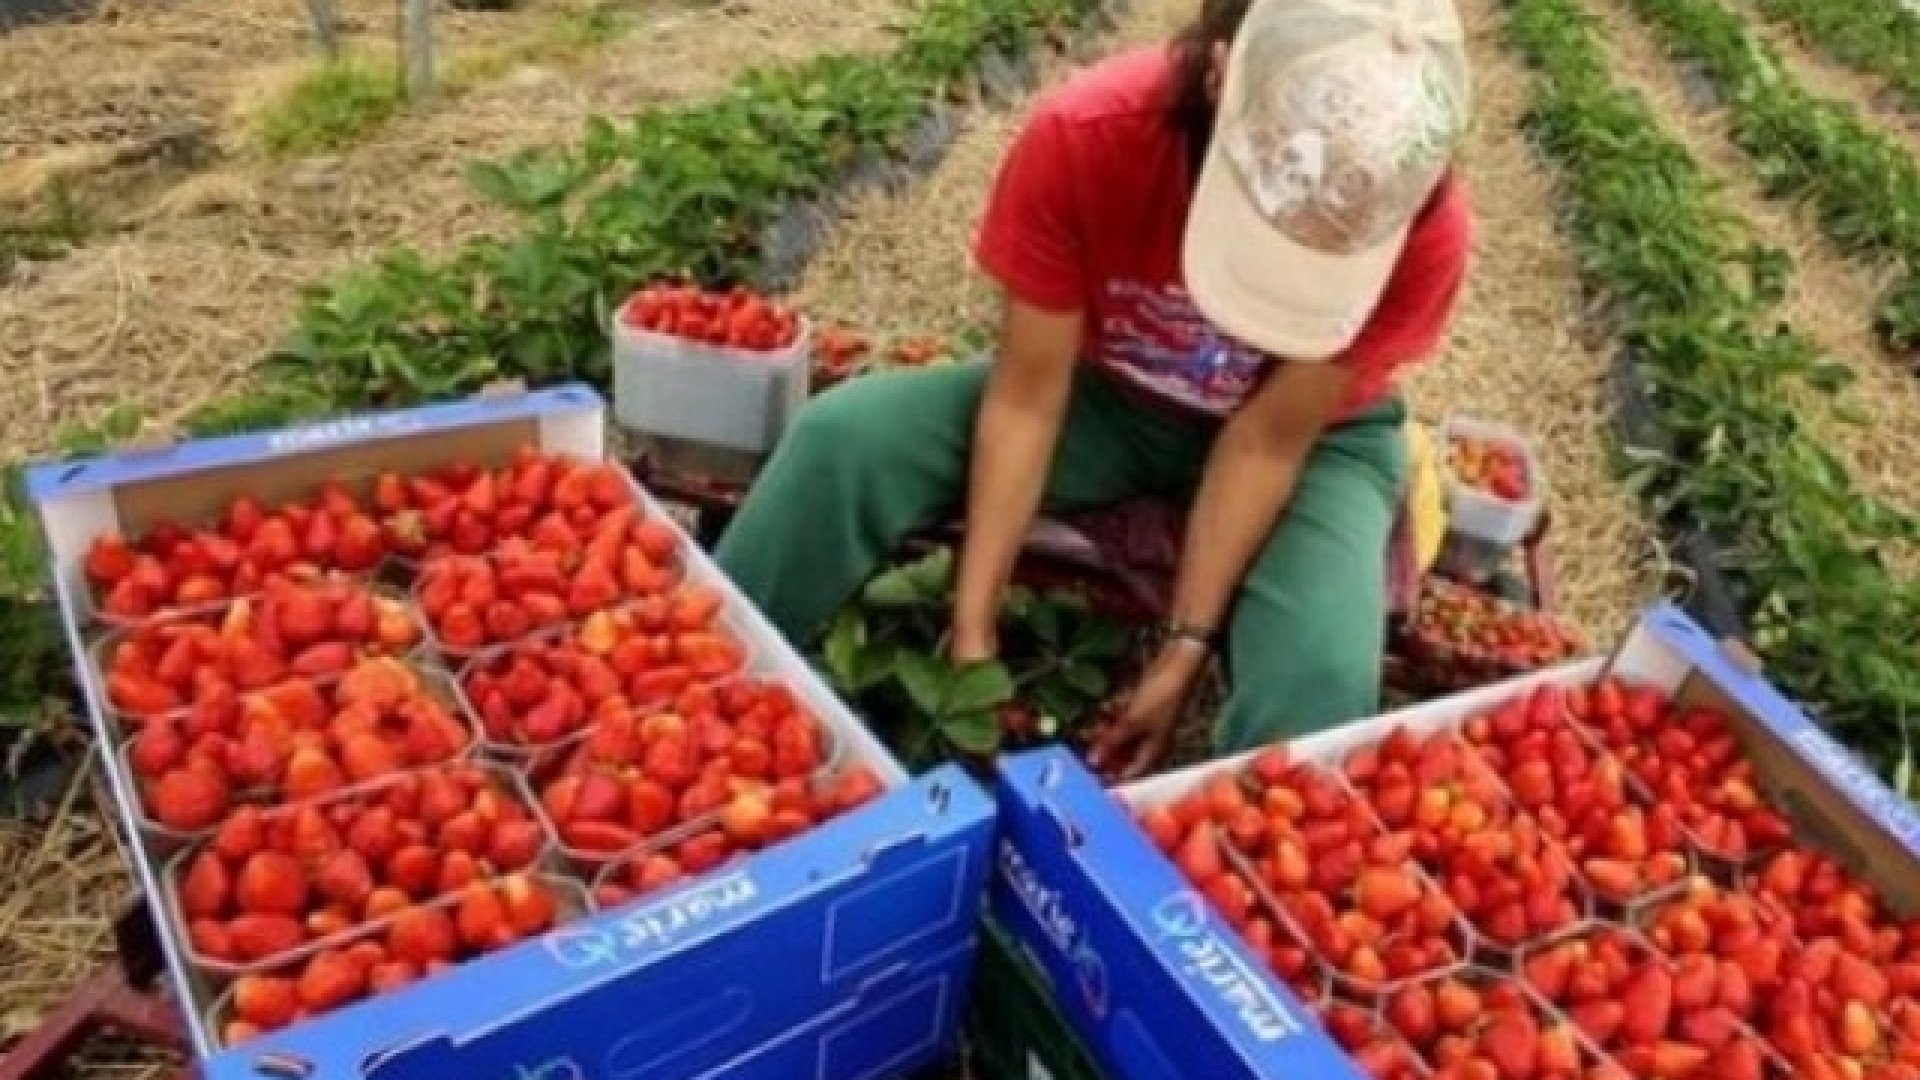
{"x":1088,"y":214}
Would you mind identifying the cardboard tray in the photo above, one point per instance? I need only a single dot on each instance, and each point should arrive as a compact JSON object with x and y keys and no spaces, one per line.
{"x":878,"y":897}
{"x":1159,"y":985}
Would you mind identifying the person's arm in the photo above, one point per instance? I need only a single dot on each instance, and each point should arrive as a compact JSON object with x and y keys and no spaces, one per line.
{"x":1030,"y":243}
{"x":1013,"y":443}
{"x":1249,"y":477}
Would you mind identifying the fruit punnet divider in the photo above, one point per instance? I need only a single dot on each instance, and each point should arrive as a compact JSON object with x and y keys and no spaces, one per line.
{"x":754,"y":663}
{"x":570,"y":894}
{"x":550,"y":762}
{"x":105,"y":638}
{"x":191,"y":481}
{"x":162,"y":843}
{"x":216,"y":973}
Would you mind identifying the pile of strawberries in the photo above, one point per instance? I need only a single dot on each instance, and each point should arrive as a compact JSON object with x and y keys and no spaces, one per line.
{"x":270,"y":881}
{"x":1459,"y":637}
{"x":642,"y":656}
{"x":341,"y":816}
{"x":294,"y":741}
{"x":737,"y":319}
{"x":526,"y":585}
{"x":1580,"y":883}
{"x":754,"y":818}
{"x":723,"y":750}
{"x":1494,"y":466}
{"x":415,"y":942}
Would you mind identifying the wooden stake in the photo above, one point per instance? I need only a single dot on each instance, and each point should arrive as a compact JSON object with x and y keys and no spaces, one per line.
{"x":416,"y":35}
{"x":326,"y":27}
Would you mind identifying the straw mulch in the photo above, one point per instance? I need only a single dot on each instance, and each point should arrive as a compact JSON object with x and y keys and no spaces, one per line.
{"x":1829,"y":299}
{"x":170,"y":314}
{"x":901,"y":265}
{"x":66,"y":885}
{"x":113,"y":87}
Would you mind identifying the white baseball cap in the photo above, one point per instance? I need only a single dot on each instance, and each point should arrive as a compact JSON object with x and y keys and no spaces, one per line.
{"x":1337,"y":120}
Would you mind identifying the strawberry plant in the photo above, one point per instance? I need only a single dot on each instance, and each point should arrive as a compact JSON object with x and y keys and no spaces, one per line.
{"x":1693,"y":299}
{"x":885,"y":654}
{"x":1878,"y":39}
{"x":1860,"y":182}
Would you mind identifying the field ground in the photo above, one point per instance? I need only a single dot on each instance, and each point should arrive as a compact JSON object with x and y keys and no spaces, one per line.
{"x":203,"y":267}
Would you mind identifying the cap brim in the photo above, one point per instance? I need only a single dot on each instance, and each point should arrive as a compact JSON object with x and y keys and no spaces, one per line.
{"x":1264,"y":289}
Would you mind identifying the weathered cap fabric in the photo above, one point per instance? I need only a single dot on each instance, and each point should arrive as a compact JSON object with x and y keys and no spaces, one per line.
{"x":1337,"y":119}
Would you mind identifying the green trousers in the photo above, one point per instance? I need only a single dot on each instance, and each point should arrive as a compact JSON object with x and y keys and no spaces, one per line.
{"x":886,"y":454}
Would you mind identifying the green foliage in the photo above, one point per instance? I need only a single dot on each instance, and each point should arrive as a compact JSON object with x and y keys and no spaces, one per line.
{"x":885,"y":654}
{"x":1860,"y":182}
{"x":331,"y":106}
{"x":1878,"y":37}
{"x":1695,"y":300}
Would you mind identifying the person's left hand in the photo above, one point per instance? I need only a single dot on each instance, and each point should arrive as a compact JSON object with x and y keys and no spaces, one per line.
{"x":1142,"y":728}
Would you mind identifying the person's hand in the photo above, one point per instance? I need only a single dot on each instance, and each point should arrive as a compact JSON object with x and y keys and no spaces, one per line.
{"x":1142,"y":728}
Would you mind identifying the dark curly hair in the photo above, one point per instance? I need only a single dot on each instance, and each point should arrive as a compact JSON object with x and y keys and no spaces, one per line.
{"x":1191,"y":107}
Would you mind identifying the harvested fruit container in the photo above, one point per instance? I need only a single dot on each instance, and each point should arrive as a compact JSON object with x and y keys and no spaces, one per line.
{"x":1495,"y":489}
{"x":353,"y":872}
{"x":1458,"y":637}
{"x":721,"y":370}
{"x":1686,"y":876}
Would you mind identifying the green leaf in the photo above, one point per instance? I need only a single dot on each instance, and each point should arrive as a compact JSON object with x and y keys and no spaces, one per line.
{"x":878,"y":662}
{"x":843,"y":647}
{"x":925,"y":679}
{"x":1104,"y":640}
{"x":1045,"y":621}
{"x":892,"y":589}
{"x":979,"y":686}
{"x":1059,"y":700}
{"x":1087,"y":678}
{"x":973,"y":732}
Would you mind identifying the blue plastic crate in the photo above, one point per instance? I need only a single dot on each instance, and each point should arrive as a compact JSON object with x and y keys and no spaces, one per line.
{"x":847,"y":949}
{"x":1160,"y":987}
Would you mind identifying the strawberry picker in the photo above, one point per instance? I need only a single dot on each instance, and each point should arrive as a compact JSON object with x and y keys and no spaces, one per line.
{"x":1216,"y":255}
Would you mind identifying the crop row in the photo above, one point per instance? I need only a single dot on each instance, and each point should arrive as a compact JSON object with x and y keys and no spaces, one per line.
{"x":1693,"y":300}
{"x":1861,"y":183}
{"x":1871,"y":36}
{"x":688,"y":192}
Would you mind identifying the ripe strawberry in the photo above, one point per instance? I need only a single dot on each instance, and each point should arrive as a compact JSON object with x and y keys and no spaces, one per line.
{"x":188,"y":799}
{"x":255,"y":937}
{"x":482,"y":918}
{"x":271,"y":883}
{"x":345,"y":878}
{"x":329,"y":980}
{"x":422,"y":936}
{"x":266,"y":1003}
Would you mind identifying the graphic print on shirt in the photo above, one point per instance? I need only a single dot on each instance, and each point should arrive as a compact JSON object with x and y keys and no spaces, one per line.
{"x":1155,"y":338}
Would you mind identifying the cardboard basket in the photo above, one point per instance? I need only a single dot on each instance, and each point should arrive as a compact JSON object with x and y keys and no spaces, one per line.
{"x":881,"y":902}
{"x":1158,"y":984}
{"x":730,"y":399}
